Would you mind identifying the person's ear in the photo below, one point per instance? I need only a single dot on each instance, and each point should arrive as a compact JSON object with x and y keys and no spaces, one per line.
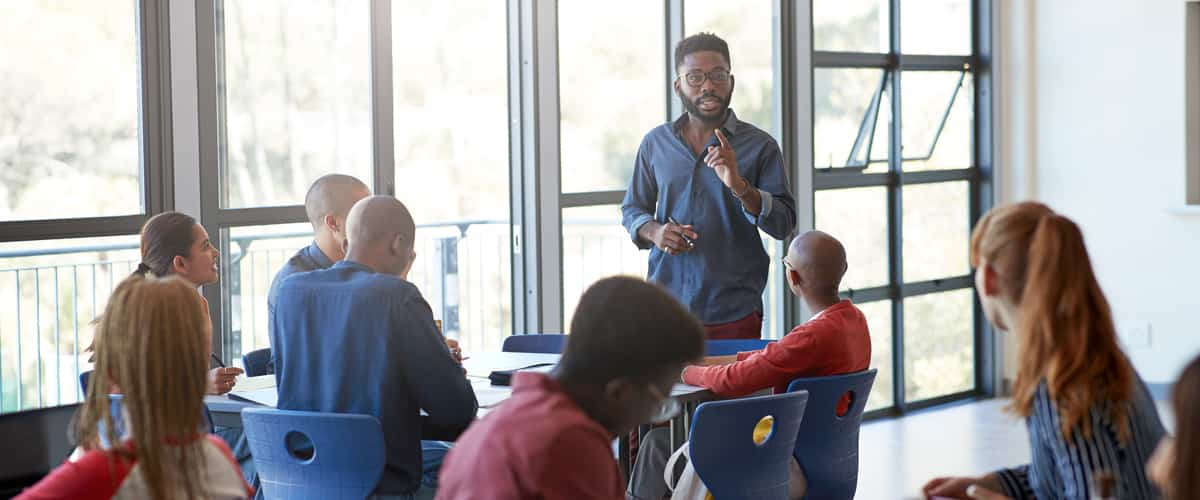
{"x":989,"y":280}
{"x":345,"y":246}
{"x":331,"y":223}
{"x":179,"y":265}
{"x":793,"y":277}
{"x":617,"y":391}
{"x":678,"y":90}
{"x":398,"y":248}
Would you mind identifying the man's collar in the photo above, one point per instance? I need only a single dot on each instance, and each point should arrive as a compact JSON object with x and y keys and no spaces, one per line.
{"x":318,"y":256}
{"x":729,"y":127}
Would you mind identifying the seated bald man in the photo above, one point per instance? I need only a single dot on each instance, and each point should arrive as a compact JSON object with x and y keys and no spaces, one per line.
{"x":834,"y":341}
{"x":359,"y":338}
{"x":327,"y":205}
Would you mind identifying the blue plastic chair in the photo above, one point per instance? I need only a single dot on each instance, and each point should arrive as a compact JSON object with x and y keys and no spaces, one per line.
{"x":84,"y":377}
{"x":115,"y":401}
{"x":255,"y":362}
{"x":725,"y":455}
{"x":728,"y":347}
{"x":827,"y":449}
{"x":545,"y":343}
{"x":342,"y":457}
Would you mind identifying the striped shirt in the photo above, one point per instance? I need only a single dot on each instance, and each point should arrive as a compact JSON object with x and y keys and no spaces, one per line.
{"x":1062,"y":469}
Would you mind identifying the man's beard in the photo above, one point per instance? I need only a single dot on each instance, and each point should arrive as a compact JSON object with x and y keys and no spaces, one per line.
{"x":693,"y":107}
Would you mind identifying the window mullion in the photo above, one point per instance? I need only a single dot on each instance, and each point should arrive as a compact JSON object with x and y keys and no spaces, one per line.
{"x":382,"y":109}
{"x":896,"y":210}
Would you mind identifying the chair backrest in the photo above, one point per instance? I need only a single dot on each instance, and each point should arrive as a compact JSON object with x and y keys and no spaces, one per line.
{"x":827,"y":448}
{"x":84,"y":377}
{"x":302,"y":454}
{"x":724,"y":451}
{"x":545,"y":343}
{"x":727,"y":347}
{"x":115,"y":402}
{"x":255,"y":362}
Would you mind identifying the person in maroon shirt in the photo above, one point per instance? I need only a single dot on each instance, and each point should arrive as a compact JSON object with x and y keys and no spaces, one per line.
{"x":553,"y":438}
{"x":835,"y":341}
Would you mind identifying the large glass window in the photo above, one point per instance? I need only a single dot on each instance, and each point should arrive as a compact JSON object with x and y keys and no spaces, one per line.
{"x":297,"y":104}
{"x":850,"y":25}
{"x":51,"y":290}
{"x":69,"y":96}
{"x":595,"y":246}
{"x":905,"y":213}
{"x":451,"y":142}
{"x":611,"y":86}
{"x":747,"y":28}
{"x":73,"y":115}
{"x":297,"y":97}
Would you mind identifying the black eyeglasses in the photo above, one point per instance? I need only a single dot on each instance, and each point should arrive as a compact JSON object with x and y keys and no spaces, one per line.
{"x":717,"y":76}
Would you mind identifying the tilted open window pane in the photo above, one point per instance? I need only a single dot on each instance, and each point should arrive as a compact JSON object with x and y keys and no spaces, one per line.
{"x":939,"y":116}
{"x":851,"y":116}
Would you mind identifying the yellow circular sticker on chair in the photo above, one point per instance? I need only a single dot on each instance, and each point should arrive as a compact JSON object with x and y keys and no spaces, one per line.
{"x":762,"y":430}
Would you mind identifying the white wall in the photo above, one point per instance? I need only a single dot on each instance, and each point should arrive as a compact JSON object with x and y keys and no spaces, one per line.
{"x":1093,"y":125}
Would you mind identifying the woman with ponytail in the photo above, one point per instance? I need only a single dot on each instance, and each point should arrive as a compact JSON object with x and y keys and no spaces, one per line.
{"x":154,"y":350}
{"x":174,"y":244}
{"x":1088,"y":414}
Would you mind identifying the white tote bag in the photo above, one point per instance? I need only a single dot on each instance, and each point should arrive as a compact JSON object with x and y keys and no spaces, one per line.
{"x":689,"y":486}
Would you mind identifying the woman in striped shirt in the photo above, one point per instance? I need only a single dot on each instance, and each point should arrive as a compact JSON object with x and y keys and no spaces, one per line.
{"x":1088,"y":413}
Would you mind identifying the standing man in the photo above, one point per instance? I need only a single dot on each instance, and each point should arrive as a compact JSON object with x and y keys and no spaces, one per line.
{"x":702,"y":187}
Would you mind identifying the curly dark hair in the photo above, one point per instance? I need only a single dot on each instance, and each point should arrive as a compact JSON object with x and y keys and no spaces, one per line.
{"x":701,"y":42}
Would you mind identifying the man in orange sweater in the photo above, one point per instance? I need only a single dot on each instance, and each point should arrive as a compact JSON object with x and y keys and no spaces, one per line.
{"x":835,"y":341}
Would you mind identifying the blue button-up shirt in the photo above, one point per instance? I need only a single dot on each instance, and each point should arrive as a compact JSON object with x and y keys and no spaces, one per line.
{"x":309,"y":258}
{"x":722,"y":278}
{"x":351,"y":340}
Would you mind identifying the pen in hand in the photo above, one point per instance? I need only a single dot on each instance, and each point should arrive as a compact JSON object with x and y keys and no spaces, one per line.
{"x":687,"y":240}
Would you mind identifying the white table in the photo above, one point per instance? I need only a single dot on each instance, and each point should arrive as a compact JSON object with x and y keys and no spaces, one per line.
{"x":227,"y":412}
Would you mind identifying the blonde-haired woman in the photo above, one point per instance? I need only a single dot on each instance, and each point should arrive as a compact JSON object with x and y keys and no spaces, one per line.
{"x":154,"y":348}
{"x":1087,"y":412}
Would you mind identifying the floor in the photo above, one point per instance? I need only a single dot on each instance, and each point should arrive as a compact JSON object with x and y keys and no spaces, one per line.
{"x":898,"y":455}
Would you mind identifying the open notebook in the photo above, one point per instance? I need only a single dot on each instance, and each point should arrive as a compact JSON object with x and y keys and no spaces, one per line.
{"x":260,"y":390}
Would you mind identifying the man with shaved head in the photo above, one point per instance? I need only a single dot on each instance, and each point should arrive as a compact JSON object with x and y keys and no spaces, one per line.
{"x":359,"y":338}
{"x":327,"y":205}
{"x":834,"y":341}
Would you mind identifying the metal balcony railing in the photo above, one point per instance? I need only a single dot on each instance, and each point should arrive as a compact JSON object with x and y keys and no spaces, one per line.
{"x":49,"y":297}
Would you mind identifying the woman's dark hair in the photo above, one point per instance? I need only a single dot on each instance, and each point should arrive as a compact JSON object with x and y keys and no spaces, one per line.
{"x":164,"y":237}
{"x":1184,"y":483}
